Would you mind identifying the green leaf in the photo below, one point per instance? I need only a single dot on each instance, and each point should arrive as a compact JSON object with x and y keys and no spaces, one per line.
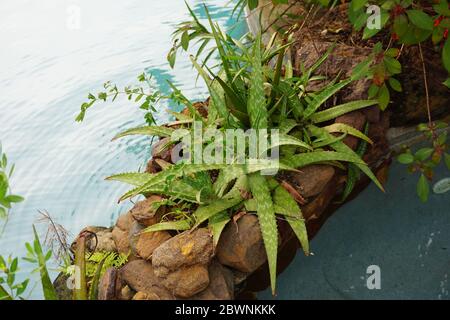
{"x":304,"y":159}
{"x":323,"y":96}
{"x":204,"y":213}
{"x":267,"y":222}
{"x":405,"y":158}
{"x":395,"y":84}
{"x":179,"y":225}
{"x":283,"y":199}
{"x":93,"y":290}
{"x":384,"y":97}
{"x":252,"y":4}
{"x":423,"y":154}
{"x":420,"y":19}
{"x":400,"y":25}
{"x":14,"y":198}
{"x":216,"y":224}
{"x":392,"y":65}
{"x":4,"y":294}
{"x":344,"y":128}
{"x":446,"y":56}
{"x":339,"y":110}
{"x":423,"y":188}
{"x":185,"y":41}
{"x":256,"y":106}
{"x":357,"y":4}
{"x":369,"y":33}
{"x":3,"y":213}
{"x":47,"y":285}
{"x":147,"y":130}
{"x":447,"y":83}
{"x":392,"y":52}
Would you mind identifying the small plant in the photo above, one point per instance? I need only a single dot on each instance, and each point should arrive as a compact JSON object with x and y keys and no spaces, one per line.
{"x":426,"y":159}
{"x":8,"y":270}
{"x":7,"y":199}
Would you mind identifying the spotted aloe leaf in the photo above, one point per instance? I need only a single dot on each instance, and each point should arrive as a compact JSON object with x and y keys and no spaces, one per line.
{"x":344,"y":128}
{"x":304,"y":159}
{"x":267,"y":222}
{"x":147,"y":130}
{"x":341,"y":147}
{"x":339,"y":110}
{"x":324,"y":95}
{"x":204,"y":213}
{"x":179,"y":225}
{"x":283,"y":199}
{"x":256,"y":105}
{"x":216,"y":224}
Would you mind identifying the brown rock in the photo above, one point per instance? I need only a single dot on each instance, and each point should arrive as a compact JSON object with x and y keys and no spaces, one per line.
{"x":104,"y":242}
{"x":145,"y":212}
{"x":145,"y":296}
{"x":183,"y":250}
{"x":162,"y":149}
{"x":139,"y":276}
{"x":242,"y":247}
{"x":149,"y":241}
{"x":310,"y":180}
{"x":124,"y":221}
{"x":121,"y":240}
{"x":187,"y":281}
{"x":355,"y":119}
{"x":107,"y":285}
{"x":126,"y":293}
{"x":221,"y":284}
{"x":133,"y":235}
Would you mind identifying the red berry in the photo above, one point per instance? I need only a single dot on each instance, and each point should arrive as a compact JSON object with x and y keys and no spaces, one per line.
{"x":446,"y":34}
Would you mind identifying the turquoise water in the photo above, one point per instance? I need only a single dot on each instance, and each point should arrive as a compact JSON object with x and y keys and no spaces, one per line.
{"x":48,"y":65}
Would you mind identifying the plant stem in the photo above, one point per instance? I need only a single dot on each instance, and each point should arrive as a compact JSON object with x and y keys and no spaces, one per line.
{"x":427,"y":97}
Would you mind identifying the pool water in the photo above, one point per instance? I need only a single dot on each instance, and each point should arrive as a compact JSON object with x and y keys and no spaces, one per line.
{"x":49,"y":61}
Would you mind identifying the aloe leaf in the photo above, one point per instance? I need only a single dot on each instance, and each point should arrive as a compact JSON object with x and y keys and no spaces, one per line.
{"x":147,"y":130}
{"x":93,"y":292}
{"x":341,"y":147}
{"x":179,"y":225}
{"x":216,"y":224}
{"x":304,"y":159}
{"x":47,"y":285}
{"x":324,"y":95}
{"x":256,"y":106}
{"x":203,"y":213}
{"x":267,"y":222}
{"x":339,"y":110}
{"x":284,"y":200}
{"x":133,"y":178}
{"x":344,"y":128}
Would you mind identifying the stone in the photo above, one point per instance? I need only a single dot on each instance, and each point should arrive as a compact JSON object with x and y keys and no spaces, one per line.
{"x":133,"y":235}
{"x":241,"y":246}
{"x":221,"y":284}
{"x":149,"y":241}
{"x":107,"y":285}
{"x":187,"y":281}
{"x":309,"y":181}
{"x":145,"y":212}
{"x":355,"y":119}
{"x":105,"y":241}
{"x":121,"y":240}
{"x":127,"y":293}
{"x":162,"y":149}
{"x":124,"y":221}
{"x":145,"y":296}
{"x":139,"y":275}
{"x":186,"y":249}
{"x":62,"y":290}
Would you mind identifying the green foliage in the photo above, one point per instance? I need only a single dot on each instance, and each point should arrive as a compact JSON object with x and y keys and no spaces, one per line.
{"x":8,"y":269}
{"x":426,"y":159}
{"x":36,"y":255}
{"x":7,"y":199}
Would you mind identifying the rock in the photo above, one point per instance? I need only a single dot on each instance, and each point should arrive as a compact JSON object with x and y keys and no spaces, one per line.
{"x":105,"y":241}
{"x":162,"y":149}
{"x":221,"y":284}
{"x":242,"y":247}
{"x":127,"y":293}
{"x":145,"y":211}
{"x":149,"y":241}
{"x":145,"y":296}
{"x":183,"y":250}
{"x":107,"y":285}
{"x":124,"y":221}
{"x":133,"y":235}
{"x":310,"y":180}
{"x":187,"y":281}
{"x":121,"y":240}
{"x":62,"y":290}
{"x":355,"y":119}
{"x":139,"y":275}
{"x":152,"y":167}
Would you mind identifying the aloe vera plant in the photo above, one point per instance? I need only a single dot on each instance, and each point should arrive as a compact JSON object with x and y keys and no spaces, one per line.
{"x":248,"y":92}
